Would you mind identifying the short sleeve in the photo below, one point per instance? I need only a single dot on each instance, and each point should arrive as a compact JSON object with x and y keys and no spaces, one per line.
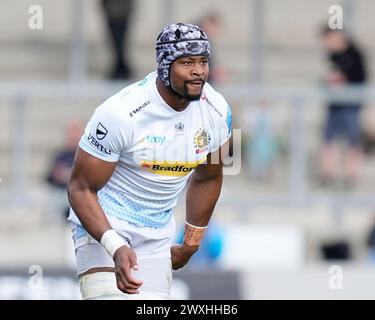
{"x":223,"y":130}
{"x":105,"y":135}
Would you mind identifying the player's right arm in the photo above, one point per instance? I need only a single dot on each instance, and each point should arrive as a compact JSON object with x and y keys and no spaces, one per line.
{"x":89,"y":175}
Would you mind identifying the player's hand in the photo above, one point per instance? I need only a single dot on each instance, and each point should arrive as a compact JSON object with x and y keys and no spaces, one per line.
{"x":181,"y":253}
{"x":125,"y":259}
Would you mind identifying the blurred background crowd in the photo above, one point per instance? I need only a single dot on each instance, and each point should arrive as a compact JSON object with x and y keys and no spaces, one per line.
{"x":301,"y":95}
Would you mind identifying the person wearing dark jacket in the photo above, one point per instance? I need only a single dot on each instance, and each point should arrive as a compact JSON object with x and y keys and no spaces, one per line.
{"x":118,"y":13}
{"x":343,"y":119}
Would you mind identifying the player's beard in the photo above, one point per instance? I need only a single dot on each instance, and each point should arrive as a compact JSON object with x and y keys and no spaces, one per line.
{"x":185,"y":94}
{"x":191,"y":97}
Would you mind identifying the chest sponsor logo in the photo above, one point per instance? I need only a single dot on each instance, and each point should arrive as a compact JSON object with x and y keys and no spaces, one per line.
{"x":172,"y":168}
{"x":155,"y":139}
{"x":201,"y":140}
{"x":101,"y":131}
{"x":97,"y":145}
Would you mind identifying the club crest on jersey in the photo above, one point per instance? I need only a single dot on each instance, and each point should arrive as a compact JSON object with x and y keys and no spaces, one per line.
{"x":101,"y":131}
{"x":201,"y":140}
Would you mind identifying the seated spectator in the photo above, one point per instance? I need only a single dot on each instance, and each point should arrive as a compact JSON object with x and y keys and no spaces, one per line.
{"x":61,"y":166}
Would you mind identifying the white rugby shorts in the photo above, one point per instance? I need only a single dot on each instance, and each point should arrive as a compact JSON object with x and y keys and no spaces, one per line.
{"x":152,"y":247}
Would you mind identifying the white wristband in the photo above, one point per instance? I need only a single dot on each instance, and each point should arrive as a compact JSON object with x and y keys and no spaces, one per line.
{"x":111,"y":241}
{"x":193,"y":226}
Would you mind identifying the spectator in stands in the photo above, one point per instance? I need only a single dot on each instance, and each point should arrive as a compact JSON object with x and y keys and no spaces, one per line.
{"x":371,"y":243}
{"x":61,"y":167}
{"x":368,"y":141}
{"x":343,"y":121}
{"x":262,"y":147}
{"x":118,"y":15}
{"x":211,"y":23}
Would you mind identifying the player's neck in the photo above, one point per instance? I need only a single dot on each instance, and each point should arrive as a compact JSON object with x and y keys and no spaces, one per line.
{"x":171,"y":98}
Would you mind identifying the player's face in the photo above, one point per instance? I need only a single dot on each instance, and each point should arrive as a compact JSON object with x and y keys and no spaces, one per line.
{"x":188,"y":75}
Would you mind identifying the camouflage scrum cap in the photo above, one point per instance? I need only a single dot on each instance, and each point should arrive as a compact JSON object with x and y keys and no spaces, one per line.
{"x":176,"y":41}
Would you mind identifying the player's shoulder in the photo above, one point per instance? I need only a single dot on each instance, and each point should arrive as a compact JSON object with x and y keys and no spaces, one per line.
{"x":215,"y":100}
{"x":130,"y":99}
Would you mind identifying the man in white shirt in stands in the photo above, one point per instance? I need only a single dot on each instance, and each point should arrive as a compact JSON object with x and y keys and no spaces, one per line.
{"x":139,"y":150}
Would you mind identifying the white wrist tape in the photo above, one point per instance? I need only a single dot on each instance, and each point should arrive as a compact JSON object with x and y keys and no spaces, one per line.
{"x":111,"y":241}
{"x":193,"y":234}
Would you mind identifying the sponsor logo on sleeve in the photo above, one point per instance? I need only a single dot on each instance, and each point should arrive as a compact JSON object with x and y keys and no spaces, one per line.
{"x":97,"y":145}
{"x":101,"y":131}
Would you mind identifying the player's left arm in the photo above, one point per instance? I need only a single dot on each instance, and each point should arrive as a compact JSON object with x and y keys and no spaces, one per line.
{"x":203,"y":191}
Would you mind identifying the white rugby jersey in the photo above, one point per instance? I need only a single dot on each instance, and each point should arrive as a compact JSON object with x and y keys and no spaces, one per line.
{"x":156,"y":147}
